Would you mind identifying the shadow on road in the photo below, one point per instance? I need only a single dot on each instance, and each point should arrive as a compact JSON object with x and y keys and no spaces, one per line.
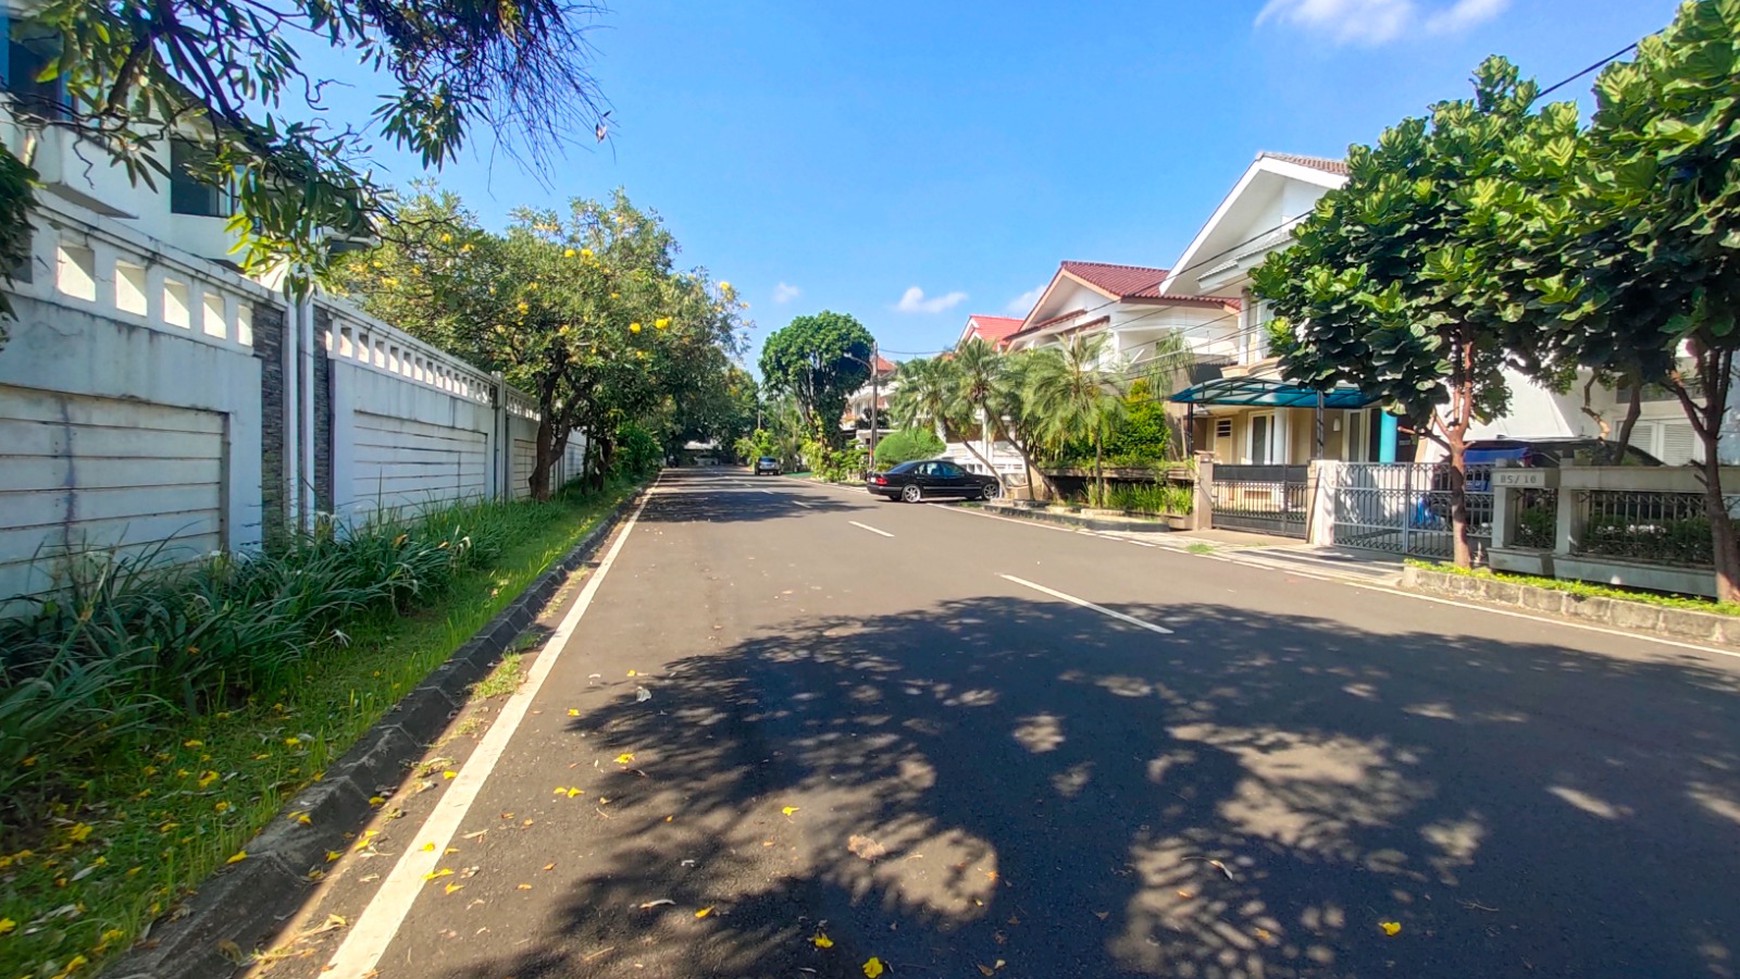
{"x":997,"y":779}
{"x":726,"y":496}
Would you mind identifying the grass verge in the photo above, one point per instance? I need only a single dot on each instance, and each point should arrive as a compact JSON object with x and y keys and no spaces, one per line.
{"x":162,"y":813}
{"x":1588,"y":589}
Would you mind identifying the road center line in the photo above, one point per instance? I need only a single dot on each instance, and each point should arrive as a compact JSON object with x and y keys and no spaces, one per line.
{"x":380,"y":921}
{"x":807,"y":506}
{"x":871,"y":529}
{"x":1084,"y":603}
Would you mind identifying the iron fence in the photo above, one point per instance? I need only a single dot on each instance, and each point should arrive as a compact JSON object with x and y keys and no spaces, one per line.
{"x":1655,"y":528}
{"x":1537,"y":518}
{"x":1264,"y":499}
{"x":1404,"y":507}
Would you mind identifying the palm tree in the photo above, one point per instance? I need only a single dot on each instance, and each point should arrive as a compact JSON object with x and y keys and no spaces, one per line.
{"x":1073,"y":392}
{"x":925,"y":395}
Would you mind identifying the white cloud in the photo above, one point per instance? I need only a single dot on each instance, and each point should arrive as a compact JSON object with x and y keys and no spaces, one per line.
{"x":1023,"y":304}
{"x":913,"y":301}
{"x":1380,"y":21}
{"x":783,"y":293}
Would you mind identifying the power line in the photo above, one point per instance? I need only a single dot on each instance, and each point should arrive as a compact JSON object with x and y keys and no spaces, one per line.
{"x":1622,"y":52}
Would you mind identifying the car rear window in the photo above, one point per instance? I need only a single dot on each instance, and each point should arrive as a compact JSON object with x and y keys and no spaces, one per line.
{"x":905,"y":467}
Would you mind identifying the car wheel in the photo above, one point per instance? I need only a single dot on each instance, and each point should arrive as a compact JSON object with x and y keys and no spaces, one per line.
{"x":911,"y":494}
{"x":990,"y":491}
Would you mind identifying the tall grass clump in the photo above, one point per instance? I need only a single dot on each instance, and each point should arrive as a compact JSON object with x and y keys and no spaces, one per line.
{"x":1150,"y":498}
{"x":130,"y":645}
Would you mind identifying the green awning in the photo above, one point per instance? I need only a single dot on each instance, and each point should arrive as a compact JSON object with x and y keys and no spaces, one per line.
{"x":1252,"y":392}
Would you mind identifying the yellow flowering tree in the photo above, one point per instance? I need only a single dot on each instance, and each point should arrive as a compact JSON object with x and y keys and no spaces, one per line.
{"x":583,"y":310}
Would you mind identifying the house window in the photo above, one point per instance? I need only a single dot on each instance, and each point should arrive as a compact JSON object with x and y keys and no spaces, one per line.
{"x":26,"y":58}
{"x":1262,"y":431}
{"x":1222,"y":428}
{"x":187,"y":193}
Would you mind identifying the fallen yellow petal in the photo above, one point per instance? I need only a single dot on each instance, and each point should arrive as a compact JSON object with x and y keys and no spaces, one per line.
{"x":434,"y":874}
{"x":239,"y":857}
{"x":377,"y":801}
{"x":450,"y":773}
{"x":873,"y":968}
{"x":704,"y":911}
{"x":822,"y":941}
{"x":331,"y":855}
{"x":428,"y":848}
{"x":1391,"y":928}
{"x":7,"y":926}
{"x":455,"y":887}
{"x":632,"y":673}
{"x":573,"y":712}
{"x":302,"y":818}
{"x":788,"y":810}
{"x":574,"y":792}
{"x":624,"y":758}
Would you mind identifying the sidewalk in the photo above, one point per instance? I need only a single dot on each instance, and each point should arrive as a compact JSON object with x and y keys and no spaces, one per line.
{"x":1242,"y":547}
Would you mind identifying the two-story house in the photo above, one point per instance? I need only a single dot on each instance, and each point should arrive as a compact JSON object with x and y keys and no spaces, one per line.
{"x":1251,"y":415}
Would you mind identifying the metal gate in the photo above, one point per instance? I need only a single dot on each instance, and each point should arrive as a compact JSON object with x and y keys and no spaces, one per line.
{"x":1264,"y":499}
{"x":1404,"y":507}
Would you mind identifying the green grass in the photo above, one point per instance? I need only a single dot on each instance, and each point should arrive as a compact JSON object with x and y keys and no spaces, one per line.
{"x":1201,"y":548}
{"x":1589,"y":589}
{"x":151,"y":818}
{"x":502,"y":681}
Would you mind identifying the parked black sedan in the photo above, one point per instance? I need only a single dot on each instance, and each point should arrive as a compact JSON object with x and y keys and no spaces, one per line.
{"x":932,"y":479}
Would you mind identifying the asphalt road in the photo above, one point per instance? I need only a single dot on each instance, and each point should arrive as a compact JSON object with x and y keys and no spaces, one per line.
{"x":886,"y":724}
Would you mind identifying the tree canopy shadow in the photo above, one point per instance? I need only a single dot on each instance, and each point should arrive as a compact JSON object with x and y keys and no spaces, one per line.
{"x":693,"y":496}
{"x":999,"y":780}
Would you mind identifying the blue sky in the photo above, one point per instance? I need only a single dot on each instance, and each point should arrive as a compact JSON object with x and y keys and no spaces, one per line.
{"x":830,"y":155}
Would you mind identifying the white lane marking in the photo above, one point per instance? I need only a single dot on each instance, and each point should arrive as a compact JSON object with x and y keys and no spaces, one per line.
{"x":1386,"y":589}
{"x":994,"y":516}
{"x":1084,"y":603}
{"x":871,"y":529}
{"x":380,"y":921}
{"x":807,"y":506}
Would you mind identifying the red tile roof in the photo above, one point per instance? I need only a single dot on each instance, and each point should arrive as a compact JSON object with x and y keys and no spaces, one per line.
{"x":1123,"y":281}
{"x":885,"y":366}
{"x":1327,"y":165}
{"x":992,"y":329}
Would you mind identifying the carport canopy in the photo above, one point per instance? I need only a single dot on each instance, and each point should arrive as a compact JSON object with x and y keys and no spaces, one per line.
{"x":1255,"y":392}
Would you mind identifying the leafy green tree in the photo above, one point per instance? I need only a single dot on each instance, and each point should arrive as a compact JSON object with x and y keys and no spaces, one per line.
{"x":1074,"y":392}
{"x":1143,"y":436}
{"x":925,"y":395}
{"x":1393,"y":285}
{"x":583,"y":311}
{"x":231,"y":75}
{"x":1630,"y":240}
{"x":819,"y":360}
{"x":906,"y":445}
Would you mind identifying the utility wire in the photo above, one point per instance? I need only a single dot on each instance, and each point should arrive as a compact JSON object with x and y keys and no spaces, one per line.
{"x":1615,"y":56}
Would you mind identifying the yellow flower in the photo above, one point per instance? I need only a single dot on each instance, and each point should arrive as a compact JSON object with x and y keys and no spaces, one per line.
{"x":377,"y":801}
{"x":624,"y":758}
{"x":726,"y":286}
{"x":585,"y":253}
{"x":208,"y":778}
{"x":193,"y":744}
{"x":788,"y":810}
{"x":570,"y":253}
{"x":80,"y":832}
{"x":1391,"y":928}
{"x":873,"y":968}
{"x":634,"y":327}
{"x":615,"y":295}
{"x":445,"y":238}
{"x":292,"y":742}
{"x":7,"y":926}
{"x":822,"y":941}
{"x":110,"y":937}
{"x":222,"y":807}
{"x":663,"y":322}
{"x":524,"y":307}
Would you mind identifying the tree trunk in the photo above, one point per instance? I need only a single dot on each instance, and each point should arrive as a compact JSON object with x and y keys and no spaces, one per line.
{"x":1044,"y":482}
{"x":1632,"y":411}
{"x":1460,"y":549}
{"x":1099,"y":472}
{"x":544,"y":459}
{"x":1715,"y":377}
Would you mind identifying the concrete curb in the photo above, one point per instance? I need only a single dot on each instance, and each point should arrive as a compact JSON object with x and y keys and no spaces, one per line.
{"x":1077,"y":520}
{"x":246,"y":904}
{"x":1615,"y":613}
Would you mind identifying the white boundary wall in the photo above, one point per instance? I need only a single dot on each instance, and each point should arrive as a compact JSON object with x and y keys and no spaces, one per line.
{"x":140,"y":411}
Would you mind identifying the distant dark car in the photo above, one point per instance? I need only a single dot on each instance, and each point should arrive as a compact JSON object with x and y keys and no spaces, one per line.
{"x":767,"y":466}
{"x":932,"y":479}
